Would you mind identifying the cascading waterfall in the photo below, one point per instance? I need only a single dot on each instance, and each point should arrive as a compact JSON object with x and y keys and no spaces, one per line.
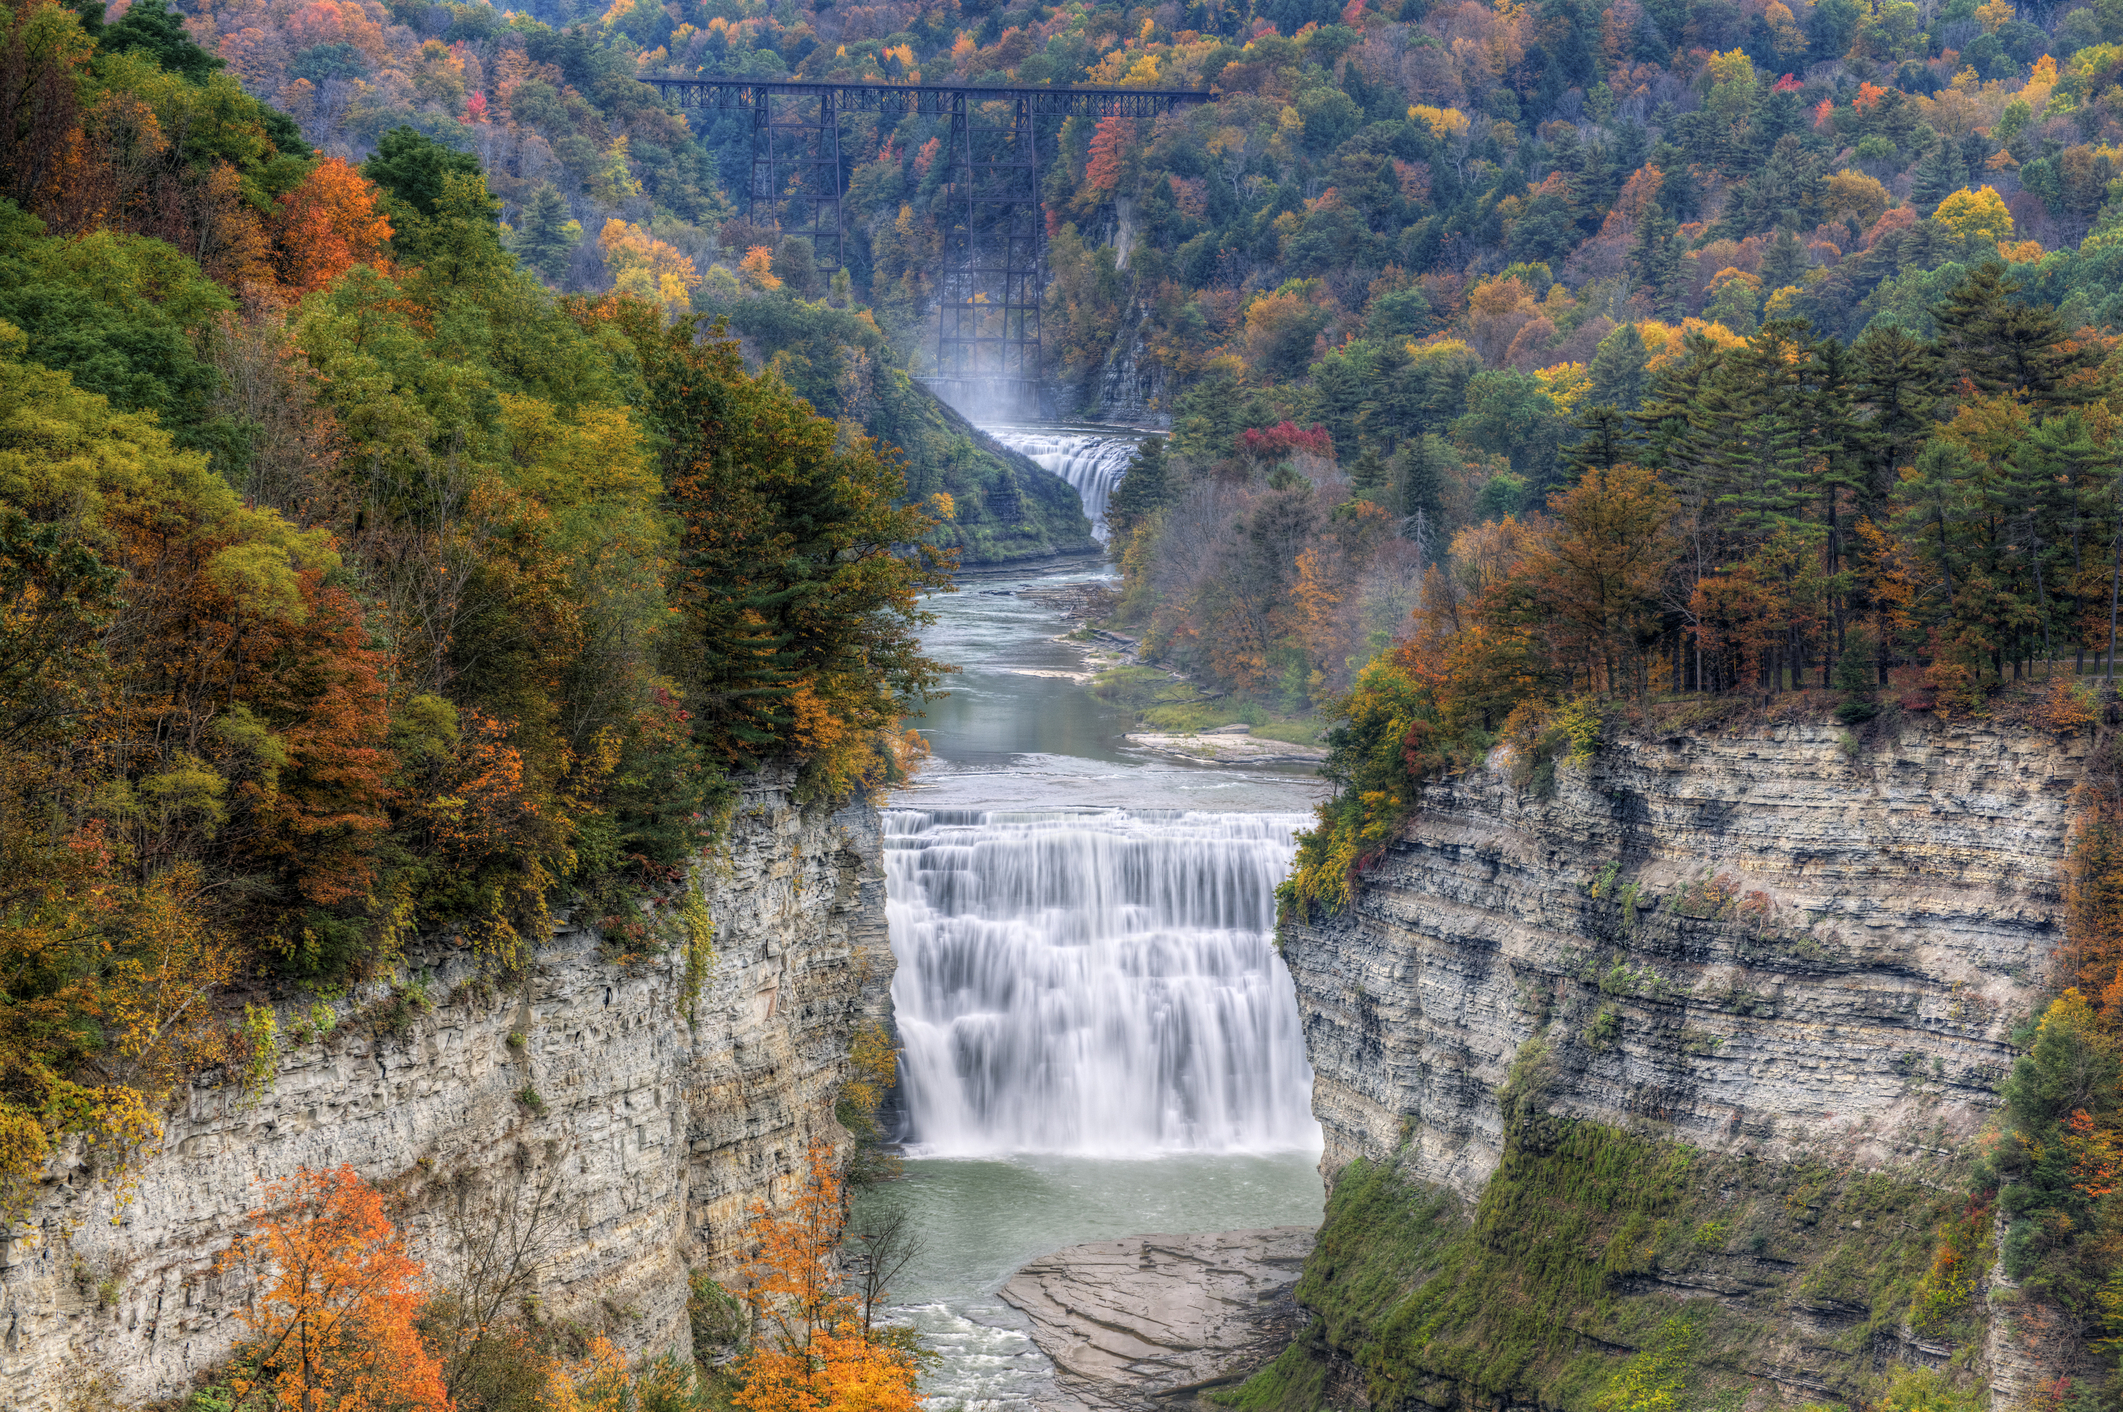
{"x":1091,"y":461}
{"x":1099,"y":983}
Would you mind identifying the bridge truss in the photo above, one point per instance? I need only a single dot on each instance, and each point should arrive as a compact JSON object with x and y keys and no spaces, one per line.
{"x":989,"y":291}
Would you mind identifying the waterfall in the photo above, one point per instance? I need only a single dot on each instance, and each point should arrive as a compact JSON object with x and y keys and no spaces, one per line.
{"x":1094,"y":982}
{"x":1091,"y":461}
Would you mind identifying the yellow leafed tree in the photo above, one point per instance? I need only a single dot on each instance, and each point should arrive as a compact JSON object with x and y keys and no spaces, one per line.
{"x":1976,"y":213}
{"x":646,"y":267}
{"x":814,"y":1355}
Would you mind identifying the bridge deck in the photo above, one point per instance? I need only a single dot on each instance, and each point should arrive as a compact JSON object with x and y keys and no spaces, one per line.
{"x":938,"y":98}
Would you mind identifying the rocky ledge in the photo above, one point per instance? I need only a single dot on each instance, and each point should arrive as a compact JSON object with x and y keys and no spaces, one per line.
{"x":1145,"y":1321}
{"x":1226,"y":745}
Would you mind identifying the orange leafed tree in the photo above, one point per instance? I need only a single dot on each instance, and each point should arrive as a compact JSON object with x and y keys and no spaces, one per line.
{"x":1109,"y":153}
{"x":326,"y":226}
{"x":331,"y":1317}
{"x":814,"y":1355}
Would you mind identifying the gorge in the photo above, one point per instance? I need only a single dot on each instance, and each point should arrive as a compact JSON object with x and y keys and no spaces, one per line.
{"x":646,"y":1122}
{"x":1709,"y":1029}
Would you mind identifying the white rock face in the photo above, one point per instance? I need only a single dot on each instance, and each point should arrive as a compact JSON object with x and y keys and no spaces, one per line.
{"x":1132,"y":1322}
{"x":659,"y":1135}
{"x":1791,"y":948}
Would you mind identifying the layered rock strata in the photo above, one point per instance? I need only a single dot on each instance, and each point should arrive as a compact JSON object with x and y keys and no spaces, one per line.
{"x":574,"y":1103}
{"x":1778,"y":941}
{"x":1131,"y":1323}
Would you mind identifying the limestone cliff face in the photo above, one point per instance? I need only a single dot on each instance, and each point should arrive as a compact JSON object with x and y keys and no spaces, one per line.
{"x":1751,"y":941}
{"x":651,"y":1136}
{"x":1798,"y":954}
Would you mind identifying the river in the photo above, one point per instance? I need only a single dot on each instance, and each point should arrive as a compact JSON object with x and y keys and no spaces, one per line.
{"x":1098,"y":1036}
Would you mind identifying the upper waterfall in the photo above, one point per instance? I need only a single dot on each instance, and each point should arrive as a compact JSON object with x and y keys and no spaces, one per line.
{"x":1094,"y":982}
{"x":1090,"y":460}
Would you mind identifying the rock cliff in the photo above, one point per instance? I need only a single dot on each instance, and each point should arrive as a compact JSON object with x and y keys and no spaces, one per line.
{"x":1770,"y":972}
{"x":1766,"y":941}
{"x":574,"y":1096}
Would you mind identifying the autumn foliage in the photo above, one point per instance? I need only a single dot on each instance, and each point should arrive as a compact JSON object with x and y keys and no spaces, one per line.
{"x":326,"y":226}
{"x":331,"y":1322}
{"x":353,"y":585}
{"x":815,"y":1354}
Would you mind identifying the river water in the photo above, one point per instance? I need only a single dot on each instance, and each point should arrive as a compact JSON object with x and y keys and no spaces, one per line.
{"x":1098,"y":1036}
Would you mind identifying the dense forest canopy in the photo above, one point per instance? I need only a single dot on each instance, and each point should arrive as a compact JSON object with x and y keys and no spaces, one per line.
{"x":389,"y":542}
{"x":357,"y":583}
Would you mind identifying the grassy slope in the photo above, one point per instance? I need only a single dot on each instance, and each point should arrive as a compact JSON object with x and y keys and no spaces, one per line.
{"x":1585,"y":1243}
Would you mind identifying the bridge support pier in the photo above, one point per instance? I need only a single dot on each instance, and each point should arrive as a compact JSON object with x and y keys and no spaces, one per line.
{"x":987,"y":329}
{"x":988,"y":292}
{"x":796,"y":176}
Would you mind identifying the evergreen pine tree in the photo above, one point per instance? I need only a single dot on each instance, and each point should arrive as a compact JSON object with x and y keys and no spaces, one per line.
{"x":2005,"y":346}
{"x":1937,"y":509}
{"x":1421,"y":467}
{"x":1681,"y":434}
{"x":1895,"y":379}
{"x":1368,"y":477}
{"x":1606,"y":438}
{"x":1619,"y":370}
{"x":1339,"y":384}
{"x":546,"y":237}
{"x":1759,"y":457}
{"x":1142,"y":491}
{"x":1783,"y":264}
{"x":1655,"y":259}
{"x":2081,"y":477}
{"x":1937,"y":177}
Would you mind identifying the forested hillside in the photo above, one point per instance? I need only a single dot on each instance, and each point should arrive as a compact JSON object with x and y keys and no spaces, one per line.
{"x":355,"y":584}
{"x":1414,"y":269}
{"x":382,"y":549}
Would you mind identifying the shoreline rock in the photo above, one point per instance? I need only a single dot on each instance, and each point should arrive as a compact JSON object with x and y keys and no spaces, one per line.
{"x":1145,"y":1321}
{"x":1222,"y":746}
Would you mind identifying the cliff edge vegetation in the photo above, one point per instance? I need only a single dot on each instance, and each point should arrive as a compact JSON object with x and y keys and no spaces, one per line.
{"x":1907,"y":539}
{"x":356,"y":585}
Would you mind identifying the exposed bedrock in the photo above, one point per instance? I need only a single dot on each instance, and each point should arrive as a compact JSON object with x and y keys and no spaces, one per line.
{"x":1767,"y":941}
{"x":1132,"y":1323}
{"x":580,"y":1077}
{"x":1796,"y":952}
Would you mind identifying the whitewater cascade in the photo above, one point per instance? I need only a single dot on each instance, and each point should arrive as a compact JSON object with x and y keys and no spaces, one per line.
{"x":1103,"y":983}
{"x":1091,"y":461}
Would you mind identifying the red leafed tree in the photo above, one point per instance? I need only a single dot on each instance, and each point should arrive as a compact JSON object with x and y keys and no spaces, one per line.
{"x":1109,"y":147}
{"x":331,"y":1317}
{"x":1287,"y":439}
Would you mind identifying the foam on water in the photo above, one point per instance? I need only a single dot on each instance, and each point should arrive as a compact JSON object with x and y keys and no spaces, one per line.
{"x":1092,"y":461}
{"x":1102,"y":983}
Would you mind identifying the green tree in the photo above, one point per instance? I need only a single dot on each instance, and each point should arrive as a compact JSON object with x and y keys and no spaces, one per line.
{"x":547,"y":236}
{"x":412,"y":168}
{"x":152,"y":28}
{"x":1368,"y":477}
{"x":1783,"y":263}
{"x":1619,"y":373}
{"x":1939,"y":175}
{"x":1424,"y":466}
{"x":1605,"y":439}
{"x":2005,"y":346}
{"x":1511,"y":414}
{"x":1655,"y":260}
{"x":1142,"y":491}
{"x":124,"y":315}
{"x":797,"y":578}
